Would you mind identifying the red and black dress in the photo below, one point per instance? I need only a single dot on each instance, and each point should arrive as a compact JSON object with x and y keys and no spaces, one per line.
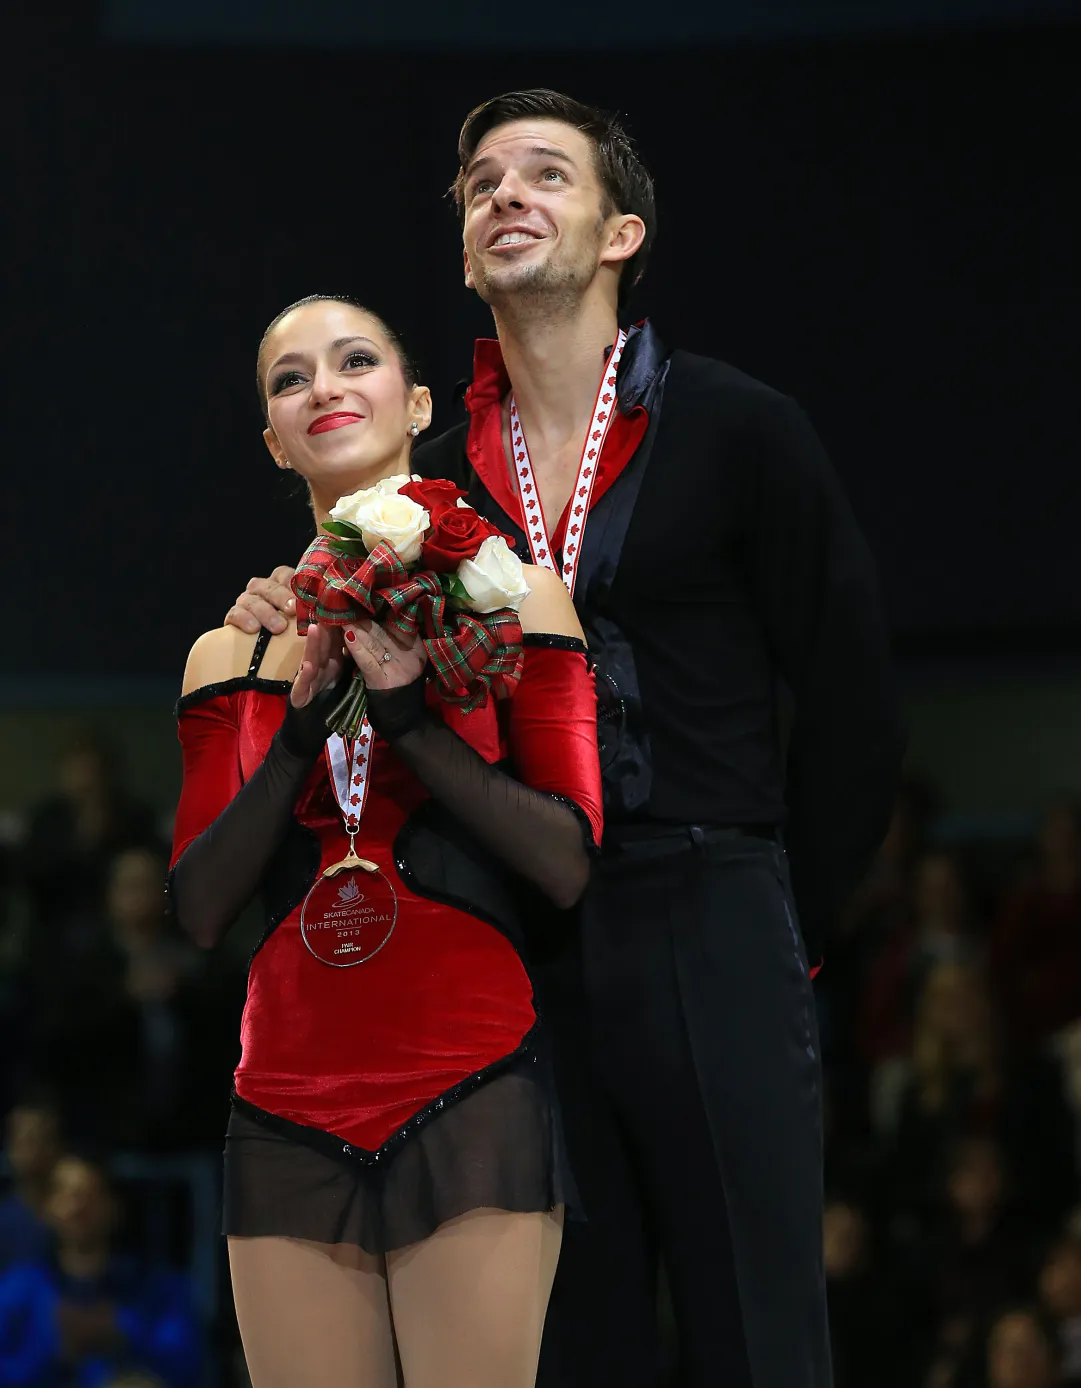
{"x":374,"y":1102}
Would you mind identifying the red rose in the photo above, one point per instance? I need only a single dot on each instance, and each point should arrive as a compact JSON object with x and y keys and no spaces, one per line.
{"x":435,"y":495}
{"x":456,"y":533}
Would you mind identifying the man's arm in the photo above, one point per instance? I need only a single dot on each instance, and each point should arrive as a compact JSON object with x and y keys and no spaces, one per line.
{"x":817,"y":593}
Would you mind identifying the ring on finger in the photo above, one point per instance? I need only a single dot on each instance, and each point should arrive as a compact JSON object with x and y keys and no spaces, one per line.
{"x":387,"y":655}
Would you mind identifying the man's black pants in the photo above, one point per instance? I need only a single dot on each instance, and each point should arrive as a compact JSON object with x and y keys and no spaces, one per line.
{"x":687,"y":1058}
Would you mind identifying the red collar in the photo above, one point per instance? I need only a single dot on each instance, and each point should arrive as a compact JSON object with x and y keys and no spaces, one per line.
{"x":484,"y":446}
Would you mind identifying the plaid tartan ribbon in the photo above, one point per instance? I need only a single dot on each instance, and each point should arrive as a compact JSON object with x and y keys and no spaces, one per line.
{"x":469,"y":654}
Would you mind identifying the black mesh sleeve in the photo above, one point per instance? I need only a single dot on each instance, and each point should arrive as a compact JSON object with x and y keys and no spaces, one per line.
{"x":220,"y":871}
{"x":536,"y":834}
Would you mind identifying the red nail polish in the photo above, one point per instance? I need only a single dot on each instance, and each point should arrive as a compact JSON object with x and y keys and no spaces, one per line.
{"x":350,"y":636}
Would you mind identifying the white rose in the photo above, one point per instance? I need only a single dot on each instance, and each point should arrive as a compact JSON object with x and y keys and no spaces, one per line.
{"x":391,"y":486}
{"x":350,"y":508}
{"x":494,"y":579}
{"x":383,"y":515}
{"x":398,"y":522}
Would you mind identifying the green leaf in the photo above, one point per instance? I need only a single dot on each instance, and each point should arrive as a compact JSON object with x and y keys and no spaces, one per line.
{"x":343,"y":529}
{"x":356,"y":548}
{"x":456,"y":588}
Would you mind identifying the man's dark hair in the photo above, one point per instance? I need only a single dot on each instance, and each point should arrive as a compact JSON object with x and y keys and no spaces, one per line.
{"x":624,"y":179}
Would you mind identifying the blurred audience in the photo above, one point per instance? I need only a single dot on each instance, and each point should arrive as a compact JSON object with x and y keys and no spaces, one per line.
{"x":965,"y":1083}
{"x":72,"y":838}
{"x":84,"y":1314}
{"x":32,"y":1146}
{"x":131,"y":1028}
{"x":1036,"y":945}
{"x":1022,"y":1352}
{"x":869,"y":1336}
{"x":938,"y":930}
{"x":976,"y":1256}
{"x":1060,"y":1296}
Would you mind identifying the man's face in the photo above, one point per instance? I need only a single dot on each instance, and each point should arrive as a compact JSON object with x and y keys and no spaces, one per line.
{"x":535,"y":219}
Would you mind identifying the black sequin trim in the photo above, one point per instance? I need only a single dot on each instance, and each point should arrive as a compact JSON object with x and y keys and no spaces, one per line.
{"x":170,"y":901}
{"x":222,"y":687}
{"x":333,"y":1146}
{"x":550,"y":641}
{"x":592,"y":847}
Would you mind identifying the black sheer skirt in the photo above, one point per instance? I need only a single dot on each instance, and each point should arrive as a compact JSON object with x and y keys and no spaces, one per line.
{"x":500,"y":1147}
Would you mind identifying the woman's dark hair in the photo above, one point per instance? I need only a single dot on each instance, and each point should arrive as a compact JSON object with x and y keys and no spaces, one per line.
{"x":625,"y":180}
{"x":409,"y":366}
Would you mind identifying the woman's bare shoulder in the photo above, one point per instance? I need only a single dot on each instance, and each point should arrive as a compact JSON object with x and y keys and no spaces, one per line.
{"x":548,"y":608}
{"x":226,"y":653}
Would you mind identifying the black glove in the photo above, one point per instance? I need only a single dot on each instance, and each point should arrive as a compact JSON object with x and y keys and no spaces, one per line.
{"x":304,"y":731}
{"x":395,"y":712}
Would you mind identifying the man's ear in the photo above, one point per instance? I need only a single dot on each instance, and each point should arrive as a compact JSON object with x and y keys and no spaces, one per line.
{"x":469,"y":281}
{"x":270,"y":438}
{"x":625,"y":236}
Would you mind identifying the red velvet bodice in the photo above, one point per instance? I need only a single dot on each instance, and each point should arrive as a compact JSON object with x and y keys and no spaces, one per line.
{"x":359,"y":1051}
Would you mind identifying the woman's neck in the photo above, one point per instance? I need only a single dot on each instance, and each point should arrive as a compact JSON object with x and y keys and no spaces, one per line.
{"x":323,"y":500}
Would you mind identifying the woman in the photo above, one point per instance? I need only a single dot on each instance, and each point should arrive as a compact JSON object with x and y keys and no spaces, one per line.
{"x":964,"y":1083}
{"x":395,"y":1176}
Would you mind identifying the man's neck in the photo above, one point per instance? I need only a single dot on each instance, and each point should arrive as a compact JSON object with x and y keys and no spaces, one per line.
{"x":555,"y":363}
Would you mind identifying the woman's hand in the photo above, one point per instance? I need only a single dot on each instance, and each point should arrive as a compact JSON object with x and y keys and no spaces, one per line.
{"x":386,"y":659}
{"x":321,"y":665}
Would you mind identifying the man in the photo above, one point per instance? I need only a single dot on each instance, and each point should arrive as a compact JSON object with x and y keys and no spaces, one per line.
{"x":720,"y":559}
{"x":33,"y":1147}
{"x":82,"y":1314}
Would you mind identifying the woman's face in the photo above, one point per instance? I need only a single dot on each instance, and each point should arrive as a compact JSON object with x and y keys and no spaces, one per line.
{"x":340,"y":411}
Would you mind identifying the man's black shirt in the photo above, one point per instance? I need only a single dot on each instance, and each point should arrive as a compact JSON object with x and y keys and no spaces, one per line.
{"x":742,"y":569}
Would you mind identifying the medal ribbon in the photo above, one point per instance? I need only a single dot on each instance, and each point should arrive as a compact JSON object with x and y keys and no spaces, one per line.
{"x":348,"y":767}
{"x":540,"y":546}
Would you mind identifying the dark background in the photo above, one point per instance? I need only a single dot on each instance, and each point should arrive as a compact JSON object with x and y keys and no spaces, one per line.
{"x":883,"y":226}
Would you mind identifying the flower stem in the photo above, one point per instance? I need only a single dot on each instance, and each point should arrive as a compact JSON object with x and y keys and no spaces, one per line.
{"x":347,"y":716}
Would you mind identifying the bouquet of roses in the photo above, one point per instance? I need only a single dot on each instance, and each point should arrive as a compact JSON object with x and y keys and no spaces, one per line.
{"x":415,"y":556}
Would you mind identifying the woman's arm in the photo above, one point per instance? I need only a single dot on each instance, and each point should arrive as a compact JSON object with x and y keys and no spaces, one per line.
{"x":228,"y":830}
{"x":535,"y":824}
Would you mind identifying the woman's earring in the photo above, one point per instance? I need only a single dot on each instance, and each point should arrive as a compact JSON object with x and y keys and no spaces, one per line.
{"x":287,"y":462}
{"x":414,"y":428}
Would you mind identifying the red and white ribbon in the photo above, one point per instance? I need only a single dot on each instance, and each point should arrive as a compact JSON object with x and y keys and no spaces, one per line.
{"x":536,"y":529}
{"x":348,"y":769}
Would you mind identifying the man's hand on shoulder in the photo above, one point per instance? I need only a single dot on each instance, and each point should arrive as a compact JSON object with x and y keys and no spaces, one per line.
{"x":265,"y":602}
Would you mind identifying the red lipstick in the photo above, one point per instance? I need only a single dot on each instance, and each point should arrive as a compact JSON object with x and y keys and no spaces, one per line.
{"x":338,"y":420}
